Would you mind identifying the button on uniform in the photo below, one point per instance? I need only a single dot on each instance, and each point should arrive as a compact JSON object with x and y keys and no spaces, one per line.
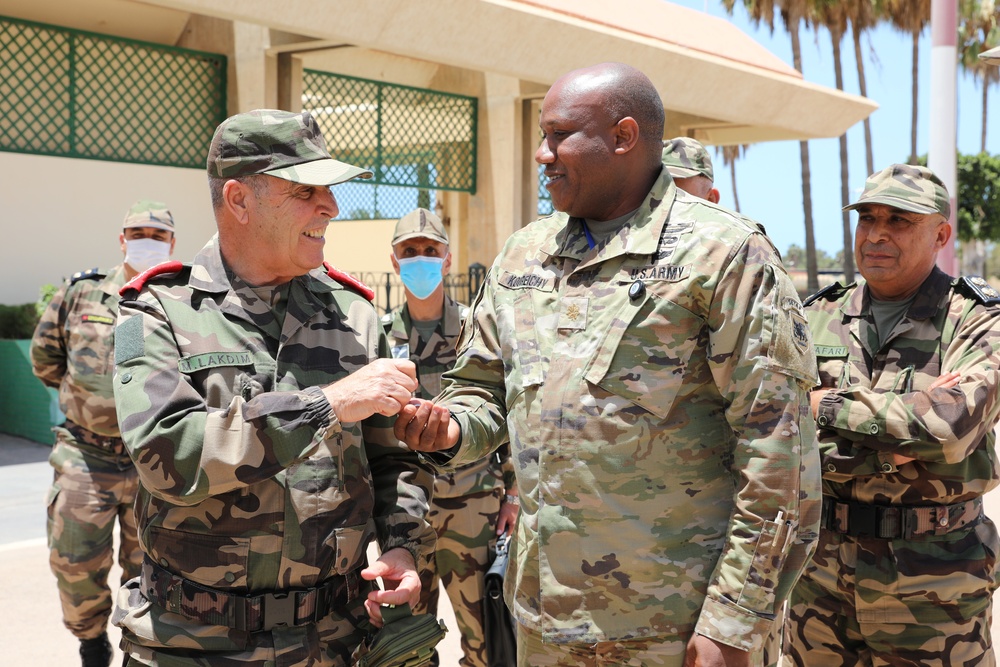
{"x":636,"y":290}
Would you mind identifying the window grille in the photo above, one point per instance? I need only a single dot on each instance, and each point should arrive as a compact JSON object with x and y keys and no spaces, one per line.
{"x":78,"y":94}
{"x":415,"y":141}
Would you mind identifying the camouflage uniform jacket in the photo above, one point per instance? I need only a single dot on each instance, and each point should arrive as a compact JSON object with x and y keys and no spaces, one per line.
{"x":654,"y":389}
{"x":880,"y":403}
{"x":249,"y":483}
{"x":72,"y":350}
{"x":433,"y":358}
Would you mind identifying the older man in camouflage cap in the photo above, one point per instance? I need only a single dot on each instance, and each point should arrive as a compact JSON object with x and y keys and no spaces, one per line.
{"x":255,"y":397}
{"x":648,"y":358}
{"x":691,"y":167}
{"x":94,"y":483}
{"x":908,"y":400}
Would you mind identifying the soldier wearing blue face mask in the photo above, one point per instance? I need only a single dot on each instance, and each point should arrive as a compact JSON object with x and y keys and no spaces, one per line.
{"x":477,"y":502}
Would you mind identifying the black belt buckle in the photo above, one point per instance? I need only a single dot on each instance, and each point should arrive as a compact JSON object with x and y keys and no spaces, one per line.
{"x":863,"y":521}
{"x":278,"y":609}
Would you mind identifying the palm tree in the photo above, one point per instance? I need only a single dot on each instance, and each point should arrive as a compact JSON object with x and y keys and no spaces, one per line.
{"x":979,"y":31}
{"x":863,"y":17}
{"x":910,"y":16}
{"x":730,"y":154}
{"x":792,"y":12}
{"x":834,"y":15}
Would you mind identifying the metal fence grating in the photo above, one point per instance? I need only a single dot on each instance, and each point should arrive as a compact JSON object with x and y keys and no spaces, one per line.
{"x":414,"y":139}
{"x":77,"y":94}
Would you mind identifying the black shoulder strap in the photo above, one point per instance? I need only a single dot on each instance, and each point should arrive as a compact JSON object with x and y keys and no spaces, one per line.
{"x":976,"y":287}
{"x":90,"y":274}
{"x":829,"y":293}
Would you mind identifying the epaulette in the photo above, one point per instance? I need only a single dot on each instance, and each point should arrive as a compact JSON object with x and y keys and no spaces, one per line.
{"x":976,"y":287}
{"x":829,"y":293}
{"x":139,"y":281}
{"x":349,"y":281}
{"x":90,"y":274}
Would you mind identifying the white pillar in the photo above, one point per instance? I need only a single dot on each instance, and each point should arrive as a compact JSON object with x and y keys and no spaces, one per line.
{"x":942,"y":154}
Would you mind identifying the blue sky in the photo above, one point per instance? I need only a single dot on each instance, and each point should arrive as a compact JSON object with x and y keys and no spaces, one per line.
{"x":769,"y":176}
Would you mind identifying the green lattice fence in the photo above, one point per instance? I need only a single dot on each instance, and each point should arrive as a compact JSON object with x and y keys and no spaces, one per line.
{"x":416,"y":141}
{"x":78,"y":94}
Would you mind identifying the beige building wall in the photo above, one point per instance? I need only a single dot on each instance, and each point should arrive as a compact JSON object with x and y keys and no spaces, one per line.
{"x":63,"y":215}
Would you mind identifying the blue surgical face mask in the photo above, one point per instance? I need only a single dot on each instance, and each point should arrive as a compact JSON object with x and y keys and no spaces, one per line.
{"x":421,"y":275}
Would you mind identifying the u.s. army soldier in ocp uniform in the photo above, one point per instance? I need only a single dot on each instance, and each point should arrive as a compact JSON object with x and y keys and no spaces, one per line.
{"x":470,"y":506}
{"x":94,"y":482}
{"x":253,"y":394}
{"x":649,"y":359}
{"x":908,"y":359}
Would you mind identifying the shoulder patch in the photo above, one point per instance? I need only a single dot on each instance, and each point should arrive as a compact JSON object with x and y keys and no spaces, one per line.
{"x":829,"y":293}
{"x":976,"y":287}
{"x":349,"y":281}
{"x":90,"y":274}
{"x":137,"y":283}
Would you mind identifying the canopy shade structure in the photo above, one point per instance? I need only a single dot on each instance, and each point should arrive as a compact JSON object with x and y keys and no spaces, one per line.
{"x":718,"y":84}
{"x":992,"y":56}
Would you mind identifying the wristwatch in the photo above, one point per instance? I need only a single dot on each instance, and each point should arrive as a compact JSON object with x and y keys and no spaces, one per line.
{"x":512,"y":500}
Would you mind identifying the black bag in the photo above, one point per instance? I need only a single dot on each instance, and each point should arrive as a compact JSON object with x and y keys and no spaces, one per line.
{"x":498,"y":625}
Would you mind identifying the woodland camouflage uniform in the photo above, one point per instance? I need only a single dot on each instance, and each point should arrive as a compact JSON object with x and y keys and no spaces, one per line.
{"x":906,"y":564}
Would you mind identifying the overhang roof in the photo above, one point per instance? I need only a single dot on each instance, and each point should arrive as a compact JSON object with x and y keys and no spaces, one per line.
{"x":718,"y":84}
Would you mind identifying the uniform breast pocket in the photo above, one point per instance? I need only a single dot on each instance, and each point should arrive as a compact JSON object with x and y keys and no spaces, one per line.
{"x":647,"y":354}
{"x":91,"y":343}
{"x":530,"y":342}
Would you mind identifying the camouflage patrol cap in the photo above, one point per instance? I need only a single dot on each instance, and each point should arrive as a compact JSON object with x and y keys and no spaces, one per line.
{"x":146,"y":213}
{"x":278,"y":143}
{"x":420,"y":223}
{"x":685,"y":157}
{"x":908,"y":187}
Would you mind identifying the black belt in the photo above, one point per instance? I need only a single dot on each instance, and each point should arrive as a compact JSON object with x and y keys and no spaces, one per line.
{"x":87,"y":437}
{"x":891,"y":522}
{"x":249,"y":613}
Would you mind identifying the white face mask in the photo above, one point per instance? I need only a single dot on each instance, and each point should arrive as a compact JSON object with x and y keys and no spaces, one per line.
{"x":142,"y":254}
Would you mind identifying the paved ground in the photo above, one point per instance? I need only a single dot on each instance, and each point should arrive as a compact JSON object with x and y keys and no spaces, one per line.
{"x":30,"y":621}
{"x":32,"y":629}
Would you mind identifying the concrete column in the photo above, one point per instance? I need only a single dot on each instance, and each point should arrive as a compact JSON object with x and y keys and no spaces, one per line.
{"x":501,"y":163}
{"x":250,"y":44}
{"x":942,"y":154}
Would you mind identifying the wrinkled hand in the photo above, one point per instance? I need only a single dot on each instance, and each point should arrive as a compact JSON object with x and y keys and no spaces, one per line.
{"x":705,"y":652}
{"x":399,"y":575}
{"x":944,"y":381}
{"x":815,"y":396}
{"x":426,"y":427}
{"x":382,"y":387}
{"x":506,"y":518}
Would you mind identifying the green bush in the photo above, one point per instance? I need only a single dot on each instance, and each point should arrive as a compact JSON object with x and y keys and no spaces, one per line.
{"x":18,"y":321}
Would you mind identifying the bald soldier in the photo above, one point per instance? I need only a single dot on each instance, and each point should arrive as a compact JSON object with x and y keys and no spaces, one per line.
{"x":906,"y":409}
{"x":691,"y":167}
{"x":648,"y":358}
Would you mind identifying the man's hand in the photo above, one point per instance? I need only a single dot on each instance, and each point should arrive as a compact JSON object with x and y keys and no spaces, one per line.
{"x":815,"y":396}
{"x":507,"y":517}
{"x":705,"y":652}
{"x":945,"y":381}
{"x":399,"y":575}
{"x":382,"y":387}
{"x":426,"y":427}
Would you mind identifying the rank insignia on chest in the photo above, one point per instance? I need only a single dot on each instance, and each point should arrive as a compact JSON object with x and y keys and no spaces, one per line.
{"x":573,"y":313}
